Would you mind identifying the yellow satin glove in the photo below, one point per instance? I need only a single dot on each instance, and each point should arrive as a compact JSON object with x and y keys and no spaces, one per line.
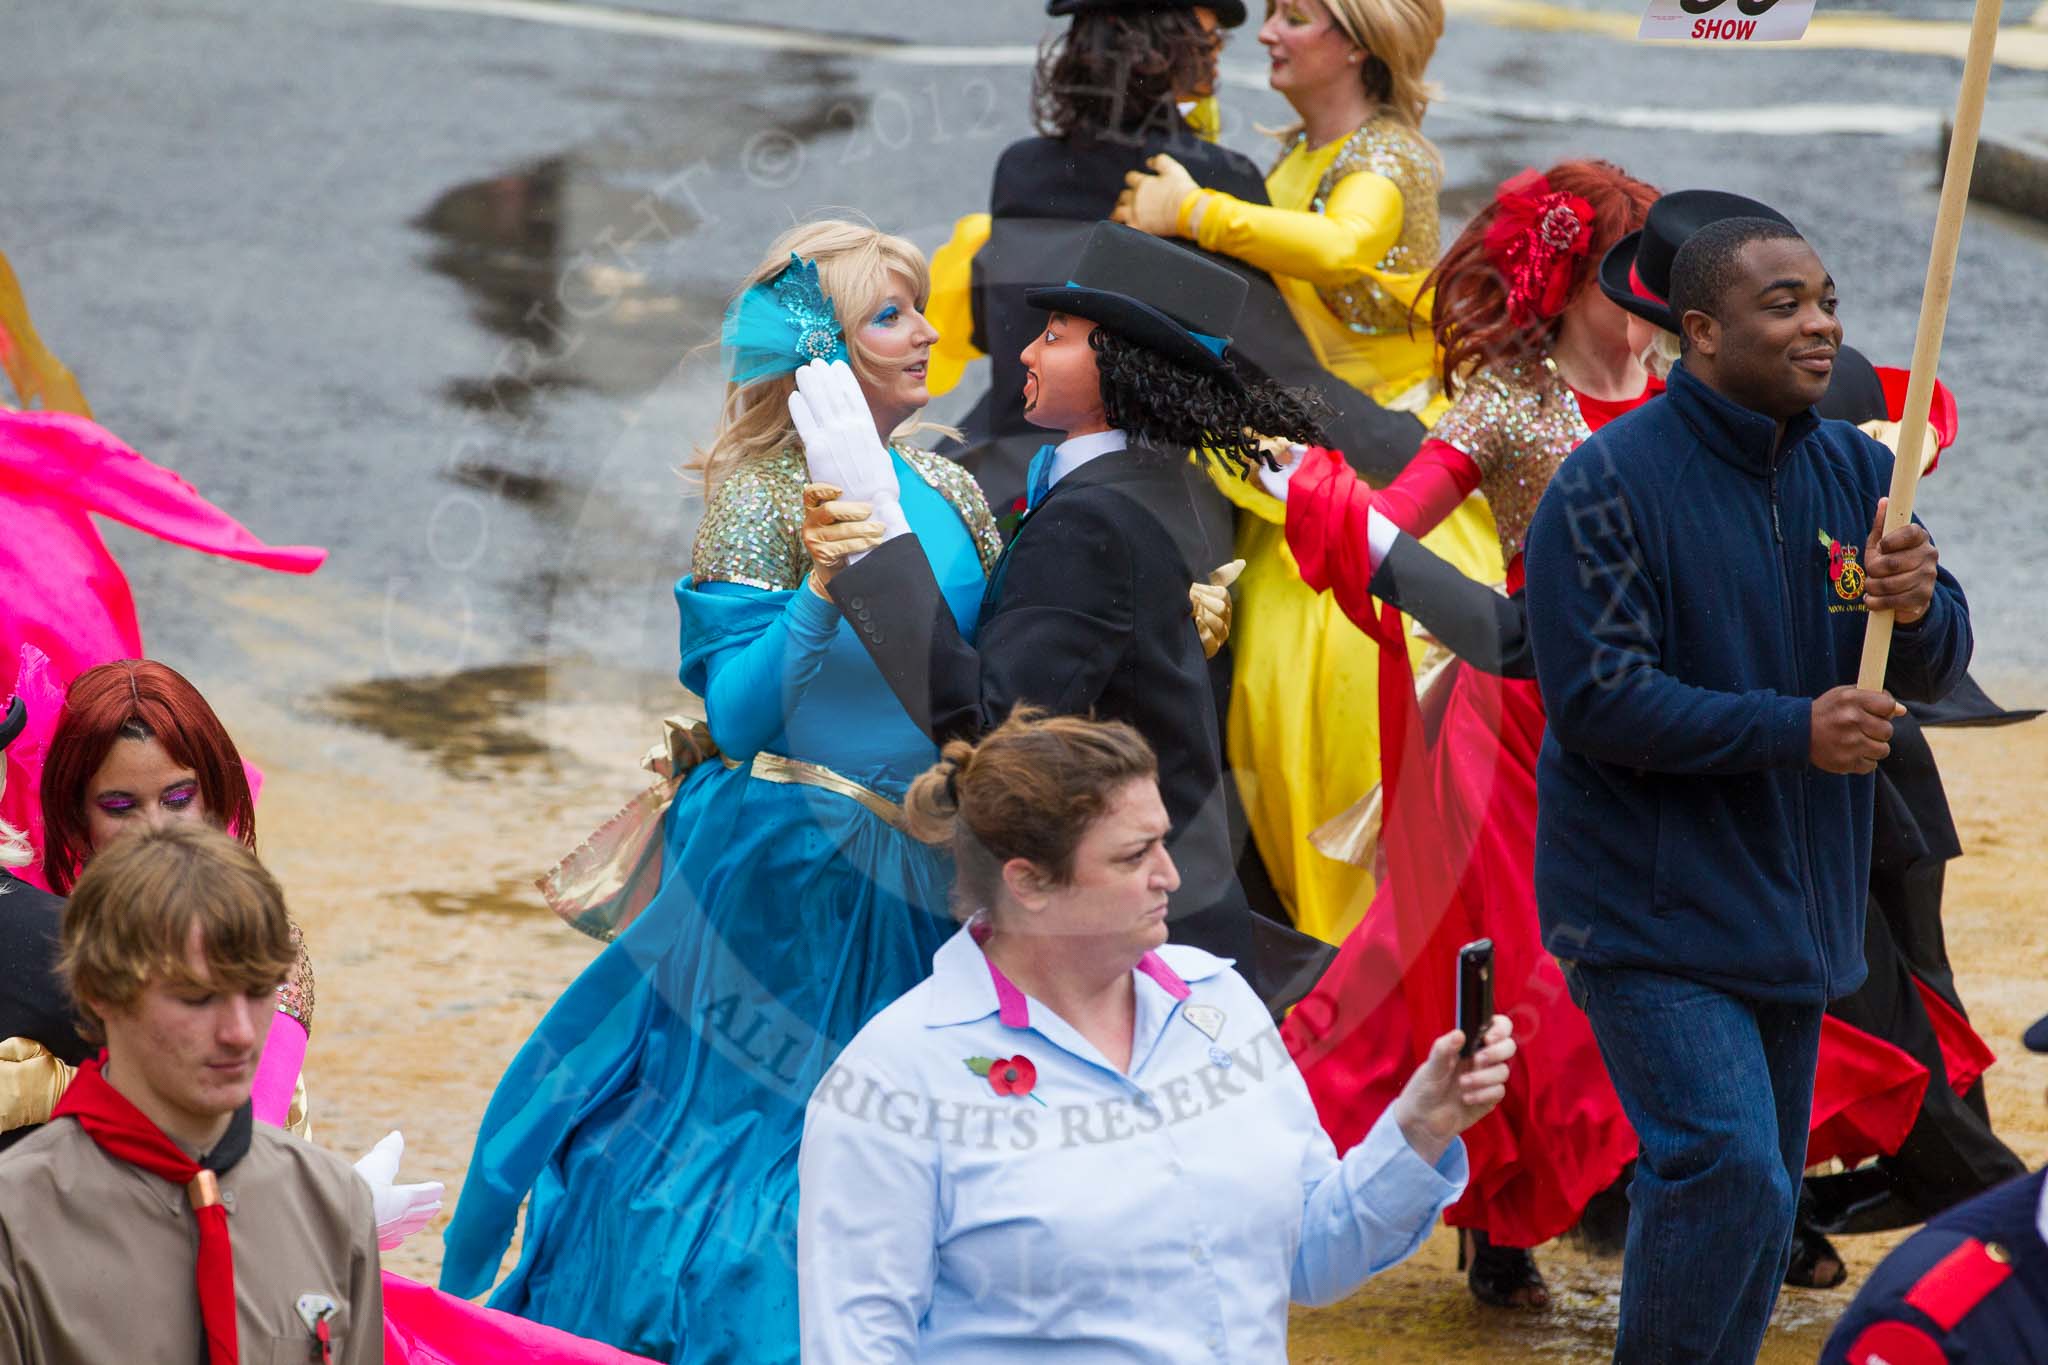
{"x":1152,"y":203}
{"x":1211,"y":605}
{"x":32,"y":1080}
{"x":833,"y":530}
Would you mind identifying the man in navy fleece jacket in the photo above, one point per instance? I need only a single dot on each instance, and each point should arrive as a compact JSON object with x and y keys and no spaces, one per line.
{"x":1700,"y":574}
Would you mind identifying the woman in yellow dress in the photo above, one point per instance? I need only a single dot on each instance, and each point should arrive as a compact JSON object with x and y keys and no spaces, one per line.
{"x":1349,"y":237}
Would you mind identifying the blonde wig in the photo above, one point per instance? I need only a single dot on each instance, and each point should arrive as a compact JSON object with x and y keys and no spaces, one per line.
{"x":14,"y":846}
{"x":1661,"y":354}
{"x":1398,"y":37}
{"x":855,"y":263}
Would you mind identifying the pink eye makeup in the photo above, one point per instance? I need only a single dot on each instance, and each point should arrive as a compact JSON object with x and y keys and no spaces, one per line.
{"x":118,"y":804}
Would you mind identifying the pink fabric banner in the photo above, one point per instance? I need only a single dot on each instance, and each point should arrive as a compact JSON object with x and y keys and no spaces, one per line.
{"x":61,"y":593}
{"x":423,"y":1326}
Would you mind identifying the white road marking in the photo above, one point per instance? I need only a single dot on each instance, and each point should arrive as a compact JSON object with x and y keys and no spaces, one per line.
{"x":1766,"y":120}
{"x":640,"y":23}
{"x":1770,"y":120}
{"x":1789,"y":120}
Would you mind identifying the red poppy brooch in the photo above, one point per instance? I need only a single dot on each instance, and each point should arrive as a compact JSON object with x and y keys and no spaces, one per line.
{"x":1007,"y":1075}
{"x":1008,"y":522}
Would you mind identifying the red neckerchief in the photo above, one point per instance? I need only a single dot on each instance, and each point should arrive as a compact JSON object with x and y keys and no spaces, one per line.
{"x":124,"y":1131}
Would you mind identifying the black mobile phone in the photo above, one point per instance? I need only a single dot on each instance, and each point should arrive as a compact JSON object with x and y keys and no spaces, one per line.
{"x":1475,"y":992}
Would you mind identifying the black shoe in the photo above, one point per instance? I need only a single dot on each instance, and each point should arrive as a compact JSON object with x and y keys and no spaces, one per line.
{"x":1815,"y":1263}
{"x":1602,"y":1229}
{"x":1857,"y":1202}
{"x":1500,"y":1277}
{"x":1828,"y":1202}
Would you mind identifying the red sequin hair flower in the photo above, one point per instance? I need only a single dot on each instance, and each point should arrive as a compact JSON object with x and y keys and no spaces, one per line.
{"x":1536,"y":240}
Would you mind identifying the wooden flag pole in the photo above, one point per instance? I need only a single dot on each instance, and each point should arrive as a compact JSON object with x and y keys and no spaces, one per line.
{"x":1941,"y":274}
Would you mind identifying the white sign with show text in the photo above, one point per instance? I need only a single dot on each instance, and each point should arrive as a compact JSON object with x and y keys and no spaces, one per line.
{"x":1725,"y":21}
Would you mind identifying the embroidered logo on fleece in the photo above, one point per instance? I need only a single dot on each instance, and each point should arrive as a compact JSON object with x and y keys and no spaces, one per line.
{"x":1845,"y":573}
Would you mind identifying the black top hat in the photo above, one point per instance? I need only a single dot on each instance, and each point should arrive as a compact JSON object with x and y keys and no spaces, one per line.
{"x":13,"y":720}
{"x":1150,"y":291}
{"x":1229,"y":13}
{"x":1636,"y":271}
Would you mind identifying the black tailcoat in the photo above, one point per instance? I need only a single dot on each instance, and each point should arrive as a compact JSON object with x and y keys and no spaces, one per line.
{"x":1087,"y":614}
{"x":1048,"y":193}
{"x":33,"y":1003}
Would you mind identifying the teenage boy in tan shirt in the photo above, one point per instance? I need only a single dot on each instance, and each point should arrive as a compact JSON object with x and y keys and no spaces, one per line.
{"x":151,"y":1219}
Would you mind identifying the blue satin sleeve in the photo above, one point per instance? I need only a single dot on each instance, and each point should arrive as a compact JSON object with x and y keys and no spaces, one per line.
{"x":751,"y":654}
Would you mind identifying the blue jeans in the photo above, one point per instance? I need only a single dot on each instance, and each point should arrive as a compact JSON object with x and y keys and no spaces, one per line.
{"x":1719,"y":1089}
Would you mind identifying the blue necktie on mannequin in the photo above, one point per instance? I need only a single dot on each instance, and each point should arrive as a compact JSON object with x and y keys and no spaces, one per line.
{"x":1039,"y":481}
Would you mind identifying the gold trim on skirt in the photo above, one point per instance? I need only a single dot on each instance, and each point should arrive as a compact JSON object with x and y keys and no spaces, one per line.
{"x":606,"y":881}
{"x":796,"y":772}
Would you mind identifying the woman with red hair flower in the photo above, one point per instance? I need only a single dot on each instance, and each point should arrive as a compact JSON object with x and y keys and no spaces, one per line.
{"x":1535,"y":358}
{"x":1541,"y":360}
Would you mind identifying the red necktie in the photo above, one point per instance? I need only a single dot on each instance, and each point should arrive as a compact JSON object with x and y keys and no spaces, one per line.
{"x":124,"y":1131}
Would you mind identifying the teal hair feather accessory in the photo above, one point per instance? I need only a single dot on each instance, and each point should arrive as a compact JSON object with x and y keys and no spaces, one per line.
{"x":781,"y":325}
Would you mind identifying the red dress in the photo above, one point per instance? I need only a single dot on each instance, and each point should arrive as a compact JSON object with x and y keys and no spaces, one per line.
{"x":1458,"y":835}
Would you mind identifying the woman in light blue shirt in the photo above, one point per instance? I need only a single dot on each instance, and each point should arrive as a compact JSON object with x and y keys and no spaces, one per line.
{"x":1075,"y":1141}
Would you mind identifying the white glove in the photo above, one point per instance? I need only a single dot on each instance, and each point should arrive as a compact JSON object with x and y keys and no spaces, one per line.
{"x":401,"y":1210}
{"x":1380,"y":535}
{"x":840,"y":444}
{"x":1275,"y":481}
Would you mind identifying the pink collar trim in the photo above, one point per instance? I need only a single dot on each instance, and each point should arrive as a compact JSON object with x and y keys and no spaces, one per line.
{"x":1154,"y":966}
{"x":1013,"y":1009}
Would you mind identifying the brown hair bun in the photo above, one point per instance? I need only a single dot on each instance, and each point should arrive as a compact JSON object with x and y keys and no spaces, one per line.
{"x":1030,"y":789}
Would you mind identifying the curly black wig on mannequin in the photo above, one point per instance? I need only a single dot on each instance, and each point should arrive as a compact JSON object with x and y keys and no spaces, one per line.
{"x":1118,"y":74}
{"x":1160,"y":403}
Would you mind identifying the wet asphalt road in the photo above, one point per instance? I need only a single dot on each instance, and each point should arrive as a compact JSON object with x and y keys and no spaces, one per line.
{"x":430,"y":288}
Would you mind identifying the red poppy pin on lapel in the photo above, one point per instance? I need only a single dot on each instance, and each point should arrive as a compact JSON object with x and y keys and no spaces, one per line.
{"x":1843,"y":570}
{"x":1007,"y":1075}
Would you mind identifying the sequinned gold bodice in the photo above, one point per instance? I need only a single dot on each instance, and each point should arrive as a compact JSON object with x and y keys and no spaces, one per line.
{"x":752,"y":532}
{"x":295,"y":996}
{"x":1517,"y":423}
{"x":1383,"y":145}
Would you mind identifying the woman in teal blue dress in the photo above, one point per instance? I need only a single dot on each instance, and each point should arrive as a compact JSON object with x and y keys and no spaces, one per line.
{"x":655,"y":1115}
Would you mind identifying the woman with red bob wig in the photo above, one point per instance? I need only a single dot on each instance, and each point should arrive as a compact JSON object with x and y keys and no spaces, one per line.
{"x":152,"y":706}
{"x":1537,"y":358}
{"x":137,"y":746}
